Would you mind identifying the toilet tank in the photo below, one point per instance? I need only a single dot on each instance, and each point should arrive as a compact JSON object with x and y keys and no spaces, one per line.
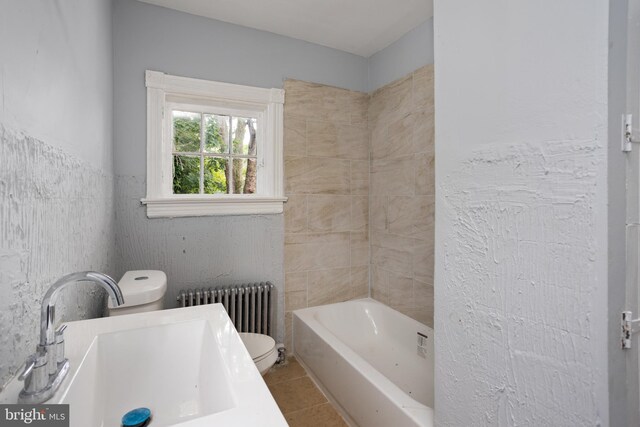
{"x":143,"y":290}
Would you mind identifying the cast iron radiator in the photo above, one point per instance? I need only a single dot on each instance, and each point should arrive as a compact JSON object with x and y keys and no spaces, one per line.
{"x":249,"y":306}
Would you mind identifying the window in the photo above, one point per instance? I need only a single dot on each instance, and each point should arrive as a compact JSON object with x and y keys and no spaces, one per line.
{"x":213,"y":154}
{"x":212,"y":148}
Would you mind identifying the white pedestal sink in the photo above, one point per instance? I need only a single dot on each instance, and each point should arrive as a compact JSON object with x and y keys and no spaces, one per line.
{"x":187,"y":365}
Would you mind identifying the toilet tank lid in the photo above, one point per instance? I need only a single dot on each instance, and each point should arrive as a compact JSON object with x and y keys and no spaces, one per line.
{"x":141,"y":287}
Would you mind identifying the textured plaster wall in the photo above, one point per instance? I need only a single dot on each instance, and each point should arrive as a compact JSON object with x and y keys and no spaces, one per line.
{"x":56,"y":183}
{"x":402,"y":194}
{"x":521,"y":213}
{"x":326,"y":145}
{"x":56,"y":217}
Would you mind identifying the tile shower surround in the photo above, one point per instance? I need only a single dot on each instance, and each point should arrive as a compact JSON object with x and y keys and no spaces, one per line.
{"x":359,"y":175}
{"x":402,"y":194}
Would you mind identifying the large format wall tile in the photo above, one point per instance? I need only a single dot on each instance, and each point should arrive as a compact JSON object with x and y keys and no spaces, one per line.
{"x":359,"y":249}
{"x":360,"y":177}
{"x":392,"y":100}
{"x":325,"y":139}
{"x":295,"y":136}
{"x":331,"y":285}
{"x":393,"y":176}
{"x":402,"y":194}
{"x":359,"y":174}
{"x":329,"y":213}
{"x":360,"y":281}
{"x":295,"y":211}
{"x":327,"y":182}
{"x":411,"y":216}
{"x":309,"y":175}
{"x":425,"y":174}
{"x":316,"y":251}
{"x":320,"y":102}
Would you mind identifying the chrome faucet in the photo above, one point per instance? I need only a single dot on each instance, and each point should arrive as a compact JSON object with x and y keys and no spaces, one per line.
{"x":46,"y":368}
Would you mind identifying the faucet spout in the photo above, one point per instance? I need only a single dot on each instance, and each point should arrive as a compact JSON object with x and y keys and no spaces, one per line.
{"x":47,"y":317}
{"x":46,"y":369}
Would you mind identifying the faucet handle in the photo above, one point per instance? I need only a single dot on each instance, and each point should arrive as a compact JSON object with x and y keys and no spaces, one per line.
{"x":60,"y":344}
{"x":28,"y":367}
{"x":36,"y":360}
{"x":60,"y":331}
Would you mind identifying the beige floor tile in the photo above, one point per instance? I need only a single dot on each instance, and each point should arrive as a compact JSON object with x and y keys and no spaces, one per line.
{"x":322,"y":415}
{"x":296,"y":394}
{"x":279,"y":374}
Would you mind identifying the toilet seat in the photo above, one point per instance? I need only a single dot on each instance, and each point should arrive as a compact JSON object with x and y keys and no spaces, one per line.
{"x":261,"y":348}
{"x":264,"y":356}
{"x":258,"y":345}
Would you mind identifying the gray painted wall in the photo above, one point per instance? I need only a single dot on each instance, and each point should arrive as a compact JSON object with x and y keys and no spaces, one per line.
{"x":412,"y":51}
{"x":199,"y":252}
{"x":56,"y":183}
{"x":57,"y":75}
{"x":213,"y":250}
{"x":153,"y":37}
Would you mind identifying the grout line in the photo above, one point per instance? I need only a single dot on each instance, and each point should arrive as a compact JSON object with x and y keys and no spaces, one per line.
{"x":285,"y":381}
{"x":314,"y":406}
{"x":326,"y":401}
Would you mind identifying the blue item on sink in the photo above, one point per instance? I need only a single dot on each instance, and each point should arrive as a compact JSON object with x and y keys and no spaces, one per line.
{"x":139,"y":417}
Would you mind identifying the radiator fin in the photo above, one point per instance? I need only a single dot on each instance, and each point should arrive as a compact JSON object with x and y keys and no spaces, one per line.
{"x":249,"y":306}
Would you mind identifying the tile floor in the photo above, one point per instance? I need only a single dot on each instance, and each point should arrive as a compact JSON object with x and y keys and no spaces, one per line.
{"x":302,"y":404}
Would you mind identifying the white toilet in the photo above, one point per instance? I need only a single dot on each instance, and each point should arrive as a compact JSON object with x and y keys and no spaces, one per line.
{"x":262,"y":349}
{"x":143,"y":290}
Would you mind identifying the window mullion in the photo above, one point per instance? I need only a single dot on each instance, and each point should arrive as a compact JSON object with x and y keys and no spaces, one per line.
{"x":229,"y":158}
{"x":201,"y":155}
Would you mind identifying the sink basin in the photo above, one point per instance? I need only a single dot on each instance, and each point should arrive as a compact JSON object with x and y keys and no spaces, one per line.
{"x":175,"y":370}
{"x":187,"y":365}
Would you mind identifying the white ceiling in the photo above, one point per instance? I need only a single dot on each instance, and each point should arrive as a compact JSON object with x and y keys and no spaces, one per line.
{"x":362,"y":27}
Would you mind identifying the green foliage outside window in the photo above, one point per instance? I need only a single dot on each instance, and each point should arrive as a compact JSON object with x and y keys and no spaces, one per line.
{"x":186,"y":175}
{"x":186,"y":169}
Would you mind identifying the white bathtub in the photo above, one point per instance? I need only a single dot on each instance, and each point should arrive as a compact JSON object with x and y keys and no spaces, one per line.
{"x":365,"y":356}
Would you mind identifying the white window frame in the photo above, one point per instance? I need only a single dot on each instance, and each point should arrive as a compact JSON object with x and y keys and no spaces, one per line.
{"x":164,"y":92}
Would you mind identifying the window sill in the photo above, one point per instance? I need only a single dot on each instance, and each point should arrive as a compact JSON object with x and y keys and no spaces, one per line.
{"x":176,"y":207}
